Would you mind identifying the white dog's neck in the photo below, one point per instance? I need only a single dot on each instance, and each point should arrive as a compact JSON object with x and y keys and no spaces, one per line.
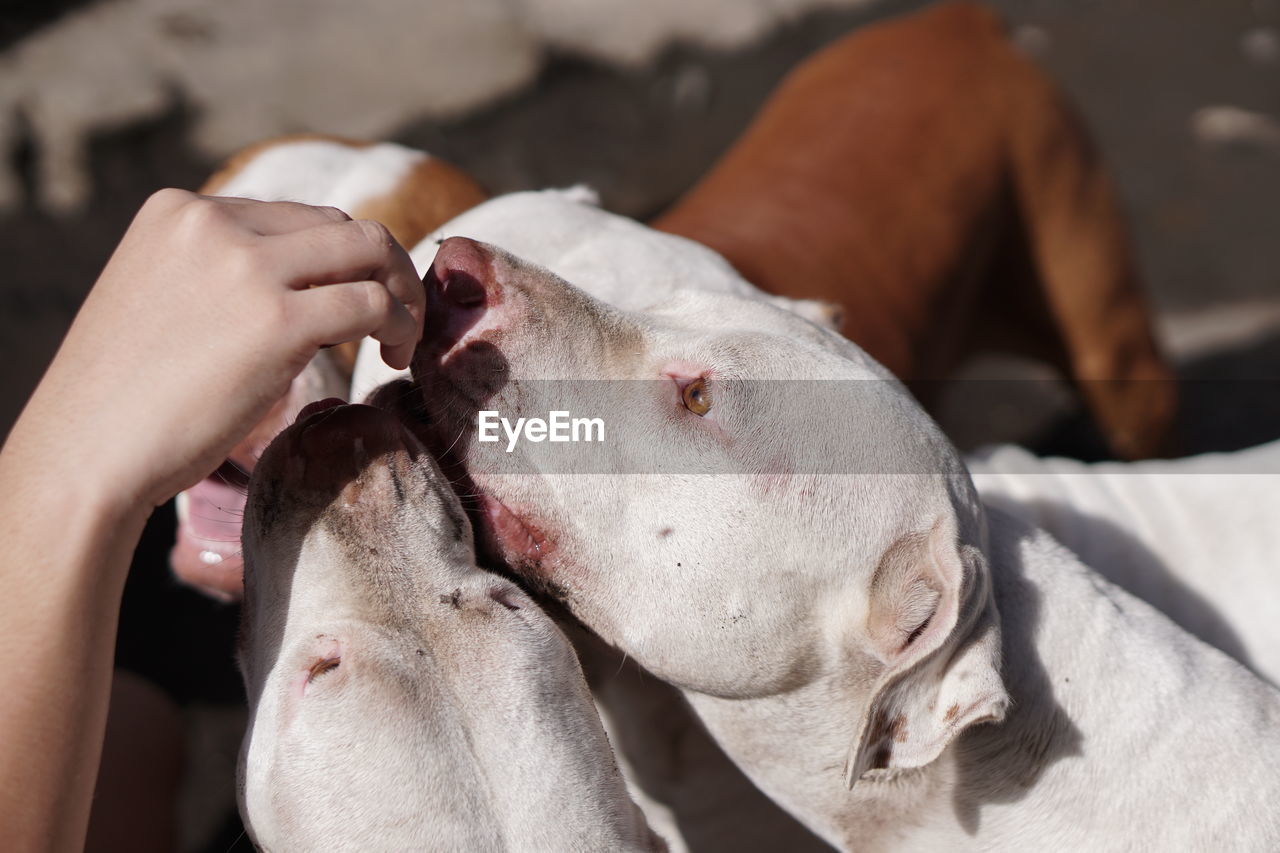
{"x":573,"y":806}
{"x":1108,"y":699}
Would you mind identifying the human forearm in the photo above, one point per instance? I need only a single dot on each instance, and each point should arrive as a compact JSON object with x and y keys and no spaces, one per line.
{"x":67,"y":549}
{"x":205,"y":313}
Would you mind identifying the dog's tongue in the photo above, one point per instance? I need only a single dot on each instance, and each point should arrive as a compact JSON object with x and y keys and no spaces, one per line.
{"x":210,"y":513}
{"x":207,"y":551}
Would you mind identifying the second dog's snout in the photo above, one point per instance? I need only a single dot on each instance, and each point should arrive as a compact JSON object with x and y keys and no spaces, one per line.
{"x":337,"y":443}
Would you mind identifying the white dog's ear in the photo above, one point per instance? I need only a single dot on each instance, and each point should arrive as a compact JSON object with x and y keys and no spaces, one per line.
{"x":933,"y":623}
{"x":828,"y":315}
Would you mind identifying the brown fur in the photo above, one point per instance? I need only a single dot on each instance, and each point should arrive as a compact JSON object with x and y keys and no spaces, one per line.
{"x":929,"y":179}
{"x":432,"y":194}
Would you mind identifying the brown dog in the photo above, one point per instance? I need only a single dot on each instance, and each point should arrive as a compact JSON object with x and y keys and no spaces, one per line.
{"x":406,"y":190}
{"x":932,"y":182}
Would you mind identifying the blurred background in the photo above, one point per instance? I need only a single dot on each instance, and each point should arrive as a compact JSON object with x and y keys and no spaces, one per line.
{"x":104,"y":101}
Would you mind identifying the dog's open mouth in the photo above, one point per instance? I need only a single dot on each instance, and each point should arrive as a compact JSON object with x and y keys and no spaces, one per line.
{"x":522,"y":544}
{"x":507,"y":539}
{"x":504,"y":536}
{"x":207,"y":551}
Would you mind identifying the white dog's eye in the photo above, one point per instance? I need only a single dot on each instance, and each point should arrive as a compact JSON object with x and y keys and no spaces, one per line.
{"x":696,"y":397}
{"x":322,"y":667}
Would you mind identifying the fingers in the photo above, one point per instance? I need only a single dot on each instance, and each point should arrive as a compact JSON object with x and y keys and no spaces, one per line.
{"x":346,"y":251}
{"x":351,"y":277}
{"x":272,"y":218}
{"x":349,"y":310}
{"x":353,"y":251}
{"x":265,"y":218}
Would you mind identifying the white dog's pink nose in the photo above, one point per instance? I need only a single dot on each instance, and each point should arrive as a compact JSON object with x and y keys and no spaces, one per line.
{"x":462,"y":288}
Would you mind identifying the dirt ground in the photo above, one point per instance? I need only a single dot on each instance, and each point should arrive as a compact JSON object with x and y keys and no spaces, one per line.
{"x":1205,"y":208}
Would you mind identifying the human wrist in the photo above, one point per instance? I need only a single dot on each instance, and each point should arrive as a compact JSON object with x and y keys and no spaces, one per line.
{"x":68,"y":489}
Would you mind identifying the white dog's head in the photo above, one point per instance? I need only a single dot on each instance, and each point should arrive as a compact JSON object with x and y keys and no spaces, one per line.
{"x":739,"y":531}
{"x":401,"y":697}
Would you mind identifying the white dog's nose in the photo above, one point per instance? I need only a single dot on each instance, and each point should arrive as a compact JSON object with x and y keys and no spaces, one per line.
{"x":462,"y":288}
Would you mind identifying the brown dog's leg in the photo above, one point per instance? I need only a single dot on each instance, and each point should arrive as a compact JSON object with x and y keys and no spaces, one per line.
{"x":930,"y":180}
{"x":1079,"y":246}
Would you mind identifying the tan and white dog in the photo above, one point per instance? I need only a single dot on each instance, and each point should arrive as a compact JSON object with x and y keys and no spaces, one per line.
{"x":894,"y":664}
{"x":400,"y":697}
{"x":408,"y":191}
{"x":932,"y":182}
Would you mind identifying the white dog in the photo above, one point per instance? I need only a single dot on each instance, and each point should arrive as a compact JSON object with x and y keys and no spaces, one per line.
{"x":827,"y":591}
{"x":1195,"y":537}
{"x":400,"y":697}
{"x":1150,"y":527}
{"x":691,"y":793}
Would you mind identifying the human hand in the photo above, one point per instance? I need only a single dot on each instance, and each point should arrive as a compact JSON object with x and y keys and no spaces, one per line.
{"x":205,"y":312}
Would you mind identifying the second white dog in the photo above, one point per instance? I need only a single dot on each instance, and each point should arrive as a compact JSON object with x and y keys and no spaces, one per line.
{"x":400,"y":697}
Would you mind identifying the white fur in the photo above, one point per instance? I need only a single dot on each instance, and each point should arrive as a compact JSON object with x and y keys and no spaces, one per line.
{"x":1038,"y":707}
{"x":324,"y":173}
{"x":1195,"y":537}
{"x":562,"y":229}
{"x":454,"y":717}
{"x":702,"y":798}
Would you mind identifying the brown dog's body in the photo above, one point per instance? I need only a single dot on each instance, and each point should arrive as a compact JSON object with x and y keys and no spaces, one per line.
{"x":932,"y":182}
